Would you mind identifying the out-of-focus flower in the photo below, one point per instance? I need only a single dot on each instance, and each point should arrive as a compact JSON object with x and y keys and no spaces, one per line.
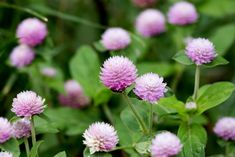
{"x":225,"y":128}
{"x":21,"y":56}
{"x":5,"y":130}
{"x":144,"y":3}
{"x":165,"y":144}
{"x":190,"y":105}
{"x":115,"y":39}
{"x":6,"y":154}
{"x":118,"y":73}
{"x":49,"y":71}
{"x":21,"y":128}
{"x":27,"y":104}
{"x":100,"y":136}
{"x":200,"y":51}
{"x":73,"y":88}
{"x":150,"y":22}
{"x":182,"y":13}
{"x":31,"y":32}
{"x":150,"y":87}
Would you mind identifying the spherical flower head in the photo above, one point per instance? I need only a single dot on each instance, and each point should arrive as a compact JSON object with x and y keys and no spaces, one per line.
{"x":225,"y":128}
{"x":21,"y":128}
{"x":190,"y":105}
{"x":150,"y":22}
{"x":182,"y":13}
{"x":150,"y":87}
{"x":48,"y":71}
{"x":118,"y":73}
{"x":144,"y":3}
{"x":115,"y":39}
{"x":200,"y":51}
{"x":21,"y":56}
{"x":31,"y":32}
{"x":27,"y":104}
{"x":5,"y":130}
{"x":165,"y":144}
{"x":72,"y":87}
{"x":6,"y":154}
{"x":78,"y":101}
{"x":100,"y":137}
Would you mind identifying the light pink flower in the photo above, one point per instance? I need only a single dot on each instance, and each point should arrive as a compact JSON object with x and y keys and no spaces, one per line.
{"x":21,"y":128}
{"x":144,"y":3}
{"x":48,"y":71}
{"x":5,"y":130}
{"x":225,"y":128}
{"x":6,"y":154}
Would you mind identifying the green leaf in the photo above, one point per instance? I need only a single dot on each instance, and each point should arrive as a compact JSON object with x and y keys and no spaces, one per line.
{"x":182,"y":58}
{"x":61,"y":154}
{"x":217,"y":61}
{"x":214,"y":95}
{"x":44,"y":126}
{"x":34,"y":150}
{"x":12,"y":146}
{"x":227,"y":34}
{"x":193,"y":138}
{"x":85,"y":68}
{"x":86,"y":153}
{"x":143,"y":147}
{"x":102,"y":96}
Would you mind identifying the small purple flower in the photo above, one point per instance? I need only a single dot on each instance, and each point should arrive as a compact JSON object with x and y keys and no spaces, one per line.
{"x":5,"y":130}
{"x":100,"y":137}
{"x":21,"y":128}
{"x":144,"y":3}
{"x":182,"y":13}
{"x":165,"y":144}
{"x":150,"y":87}
{"x":150,"y":22}
{"x":200,"y":51}
{"x":6,"y":154}
{"x":115,"y":39}
{"x":31,"y":32}
{"x":225,"y":128}
{"x":21,"y":56}
{"x":118,"y":73}
{"x":73,"y":88}
{"x":74,"y":101}
{"x":27,"y":104}
{"x":48,"y":71}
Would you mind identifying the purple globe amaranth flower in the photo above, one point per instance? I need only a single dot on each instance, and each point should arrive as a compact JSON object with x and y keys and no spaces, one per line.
{"x":21,"y":56}
{"x":21,"y":128}
{"x":150,"y":22}
{"x":27,"y":104}
{"x":31,"y":32}
{"x":6,"y":154}
{"x":118,"y":73}
{"x":225,"y":128}
{"x":49,"y":71}
{"x":182,"y":13}
{"x":115,"y":39}
{"x":150,"y":87}
{"x":165,"y":144}
{"x":74,"y":101}
{"x":5,"y":130}
{"x":200,"y":51}
{"x":100,"y":137}
{"x":72,"y":87}
{"x":144,"y":3}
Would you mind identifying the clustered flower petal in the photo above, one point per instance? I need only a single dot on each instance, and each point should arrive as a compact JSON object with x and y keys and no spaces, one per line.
{"x":150,"y":22}
{"x":225,"y":128}
{"x":144,"y":3}
{"x":115,"y":39}
{"x":21,"y":128}
{"x":100,"y":136}
{"x":200,"y":51}
{"x":165,"y":144}
{"x":182,"y":13}
{"x":5,"y":130}
{"x":27,"y":104}
{"x":118,"y":73}
{"x":31,"y":32}
{"x":48,"y":71}
{"x":150,"y":87}
{"x":21,"y":56}
{"x":6,"y":154}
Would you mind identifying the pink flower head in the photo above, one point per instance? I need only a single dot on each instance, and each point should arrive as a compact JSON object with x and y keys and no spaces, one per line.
{"x":115,"y":39}
{"x":118,"y":73}
{"x":21,"y":128}
{"x":144,"y":3}
{"x":150,"y":87}
{"x":200,"y":51}
{"x":78,"y":101}
{"x":6,"y":154}
{"x":99,"y":137}
{"x":31,"y":32}
{"x":48,"y":71}
{"x":5,"y":130}
{"x":72,"y":87}
{"x":150,"y":22}
{"x":182,"y":13}
{"x":21,"y":56}
{"x":165,"y":144}
{"x":27,"y":104}
{"x":225,"y":128}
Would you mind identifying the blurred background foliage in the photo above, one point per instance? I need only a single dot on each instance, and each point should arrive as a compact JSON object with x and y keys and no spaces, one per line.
{"x":75,"y":23}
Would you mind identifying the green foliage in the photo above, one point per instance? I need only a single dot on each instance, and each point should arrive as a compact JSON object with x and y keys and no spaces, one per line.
{"x":86,"y":153}
{"x":35,"y":148}
{"x":11,"y":146}
{"x":182,"y":58}
{"x":61,"y":154}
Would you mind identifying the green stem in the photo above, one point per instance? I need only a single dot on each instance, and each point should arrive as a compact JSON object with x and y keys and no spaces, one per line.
{"x":151,"y":119}
{"x":196,"y":84}
{"x":9,"y":84}
{"x":136,"y":114}
{"x":108,"y":113}
{"x":33,"y":133}
{"x":177,"y":77}
{"x":228,"y":152}
{"x":26,"y":143}
{"x":122,"y":147}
